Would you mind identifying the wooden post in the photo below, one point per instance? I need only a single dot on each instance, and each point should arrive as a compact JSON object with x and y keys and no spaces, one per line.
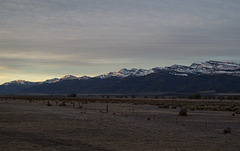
{"x":107,"y":109}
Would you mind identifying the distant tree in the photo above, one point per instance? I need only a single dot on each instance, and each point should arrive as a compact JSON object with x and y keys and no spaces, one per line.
{"x":72,"y":95}
{"x":236,"y":97}
{"x":133,"y":96}
{"x":118,"y":96}
{"x":195,"y":96}
{"x":221,"y":97}
{"x":210,"y":97}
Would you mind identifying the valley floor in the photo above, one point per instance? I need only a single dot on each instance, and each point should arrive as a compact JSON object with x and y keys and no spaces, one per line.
{"x":35,"y":126}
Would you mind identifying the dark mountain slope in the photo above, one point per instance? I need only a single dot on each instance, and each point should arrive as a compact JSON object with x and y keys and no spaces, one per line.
{"x":156,"y":82}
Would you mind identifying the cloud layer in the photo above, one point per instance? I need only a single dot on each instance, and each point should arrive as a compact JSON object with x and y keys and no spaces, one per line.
{"x":57,"y":37}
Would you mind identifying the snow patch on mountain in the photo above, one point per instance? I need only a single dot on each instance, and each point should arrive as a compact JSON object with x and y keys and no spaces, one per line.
{"x":126,"y":72}
{"x":69,"y":77}
{"x":66,"y":77}
{"x":84,"y":78}
{"x":208,"y":67}
{"x":51,"y":80}
{"x":17,"y":82}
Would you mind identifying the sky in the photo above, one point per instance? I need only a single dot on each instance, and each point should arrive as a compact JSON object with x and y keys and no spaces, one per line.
{"x":44,"y":39}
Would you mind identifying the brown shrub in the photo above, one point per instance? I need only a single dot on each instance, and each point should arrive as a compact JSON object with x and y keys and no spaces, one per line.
{"x":227,"y":130}
{"x":183,"y":112}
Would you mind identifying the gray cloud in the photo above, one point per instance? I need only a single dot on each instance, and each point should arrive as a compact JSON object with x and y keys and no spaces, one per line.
{"x":121,"y":33}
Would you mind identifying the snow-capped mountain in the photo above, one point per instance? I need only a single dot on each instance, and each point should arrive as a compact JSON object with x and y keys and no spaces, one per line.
{"x":210,"y":75}
{"x":69,"y":77}
{"x":18,"y":82}
{"x":215,"y":66}
{"x":51,"y":80}
{"x":84,"y":78}
{"x":125,"y":73}
{"x":16,"y":86}
{"x":208,"y":67}
{"x":54,"y":80}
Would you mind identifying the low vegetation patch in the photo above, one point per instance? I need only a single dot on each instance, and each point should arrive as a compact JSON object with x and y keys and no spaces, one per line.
{"x":183,"y":112}
{"x":63,"y":104}
{"x":227,"y":130}
{"x":49,"y":104}
{"x":191,"y":104}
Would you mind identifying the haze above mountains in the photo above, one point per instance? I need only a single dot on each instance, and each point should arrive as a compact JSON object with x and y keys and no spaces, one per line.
{"x":204,"y":76}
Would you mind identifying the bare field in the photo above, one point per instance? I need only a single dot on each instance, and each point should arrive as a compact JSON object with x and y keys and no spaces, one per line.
{"x":97,"y":125}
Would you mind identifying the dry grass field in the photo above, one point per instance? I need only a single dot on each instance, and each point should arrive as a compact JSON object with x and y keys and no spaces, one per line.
{"x":66,"y":124}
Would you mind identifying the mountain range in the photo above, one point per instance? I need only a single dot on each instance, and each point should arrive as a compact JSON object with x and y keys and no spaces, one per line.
{"x":216,"y":76}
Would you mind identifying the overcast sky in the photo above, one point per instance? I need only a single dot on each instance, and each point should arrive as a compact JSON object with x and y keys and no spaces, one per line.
{"x":42,"y":39}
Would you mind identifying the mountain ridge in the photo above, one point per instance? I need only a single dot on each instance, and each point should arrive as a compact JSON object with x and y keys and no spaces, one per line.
{"x":208,"y":67}
{"x":126,"y":79}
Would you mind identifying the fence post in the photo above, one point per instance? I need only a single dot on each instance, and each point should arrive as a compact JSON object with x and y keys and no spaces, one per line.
{"x":107,"y":108}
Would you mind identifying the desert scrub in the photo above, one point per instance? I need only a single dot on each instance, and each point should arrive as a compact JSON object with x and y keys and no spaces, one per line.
{"x":192,"y":108}
{"x":227,"y":130}
{"x":237,"y":111}
{"x":63,"y":104}
{"x":183,"y":112}
{"x":236,"y":108}
{"x":49,"y":104}
{"x":163,"y":106}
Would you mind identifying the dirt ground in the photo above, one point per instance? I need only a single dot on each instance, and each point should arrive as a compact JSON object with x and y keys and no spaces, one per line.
{"x":35,"y":126}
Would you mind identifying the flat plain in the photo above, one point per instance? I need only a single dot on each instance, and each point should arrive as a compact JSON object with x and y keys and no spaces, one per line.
{"x":112,"y":126}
